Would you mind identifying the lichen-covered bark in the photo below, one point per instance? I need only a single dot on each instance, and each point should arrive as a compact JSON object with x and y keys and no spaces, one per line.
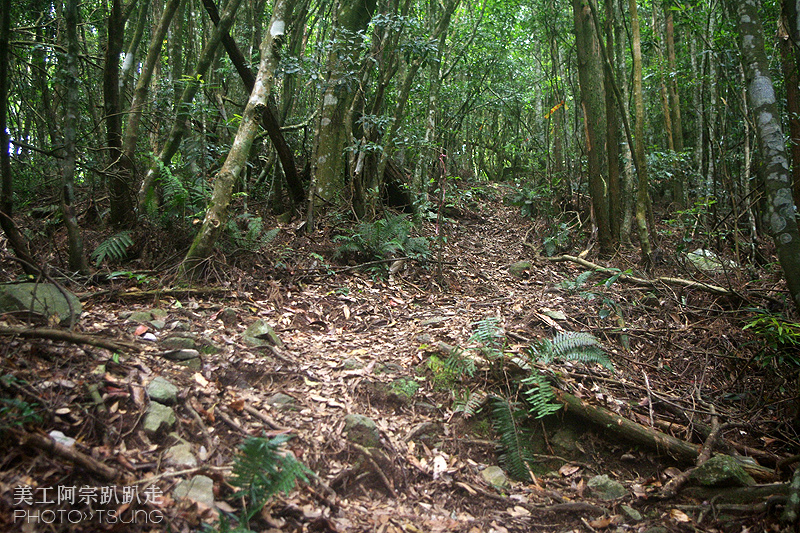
{"x":780,"y":217}
{"x":217,"y":212}
{"x":328,"y":161}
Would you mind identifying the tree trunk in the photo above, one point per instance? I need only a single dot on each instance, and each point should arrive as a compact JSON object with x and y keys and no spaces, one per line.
{"x":781,"y":212}
{"x":77,"y":257}
{"x":593,"y":101}
{"x":217,"y":212}
{"x":790,"y":57}
{"x":612,"y":124}
{"x":328,"y":160}
{"x":642,"y":196}
{"x":679,"y":190}
{"x":126,"y":168}
{"x":147,"y":201}
{"x":15,"y":240}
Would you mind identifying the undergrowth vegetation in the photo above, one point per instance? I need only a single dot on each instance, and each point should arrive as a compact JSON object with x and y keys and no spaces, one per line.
{"x":386,"y":238}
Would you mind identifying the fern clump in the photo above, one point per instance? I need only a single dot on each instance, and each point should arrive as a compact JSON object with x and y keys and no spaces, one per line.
{"x":508,"y":418}
{"x":247,"y":232}
{"x":383,"y":239}
{"x":114,"y":248}
{"x":490,"y":336}
{"x":571,"y":346}
{"x":262,"y":469}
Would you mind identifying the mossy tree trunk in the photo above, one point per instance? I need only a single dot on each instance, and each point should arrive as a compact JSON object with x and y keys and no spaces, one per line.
{"x":217,"y":211}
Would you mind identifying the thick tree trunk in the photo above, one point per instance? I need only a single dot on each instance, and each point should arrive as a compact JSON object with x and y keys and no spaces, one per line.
{"x":15,"y":240}
{"x":593,"y":101}
{"x":781,"y":212}
{"x":328,"y":159}
{"x":77,"y":257}
{"x":217,"y":212}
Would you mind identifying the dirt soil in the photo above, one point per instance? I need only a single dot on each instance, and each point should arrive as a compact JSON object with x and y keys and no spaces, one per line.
{"x":359,"y":343}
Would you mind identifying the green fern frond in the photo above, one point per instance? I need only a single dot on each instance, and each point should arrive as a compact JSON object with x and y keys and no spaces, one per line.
{"x":572,"y":346}
{"x":469,"y":403}
{"x":512,"y":437}
{"x":114,"y":248}
{"x":262,"y":469}
{"x":459,"y":365}
{"x":540,"y":396}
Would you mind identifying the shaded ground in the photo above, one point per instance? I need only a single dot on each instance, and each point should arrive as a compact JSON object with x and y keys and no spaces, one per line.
{"x":356,"y":343}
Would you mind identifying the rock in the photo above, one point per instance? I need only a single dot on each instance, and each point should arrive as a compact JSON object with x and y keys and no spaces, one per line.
{"x":709,"y":262}
{"x":140,"y":316}
{"x":281,"y":401}
{"x":41,"y":298}
{"x":494,"y":476}
{"x":388,"y":368}
{"x":229,"y":317}
{"x":62,"y":439}
{"x":158,"y":324}
{"x":259,"y":333}
{"x":181,"y":355}
{"x":362,"y":430}
{"x":721,"y":471}
{"x":159,"y":314}
{"x":197,"y":489}
{"x":181,"y":455}
{"x":352,"y":364}
{"x":519,"y":268}
{"x":632,"y":513}
{"x":606,"y":488}
{"x":179,"y":342}
{"x":435,"y":321}
{"x":159,"y":418}
{"x":191,"y":364}
{"x":162,"y":391}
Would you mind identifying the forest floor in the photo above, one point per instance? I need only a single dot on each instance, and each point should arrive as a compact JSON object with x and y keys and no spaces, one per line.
{"x":358,"y":343}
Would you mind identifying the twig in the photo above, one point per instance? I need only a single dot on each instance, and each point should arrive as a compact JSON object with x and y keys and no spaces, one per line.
{"x":50,"y":446}
{"x":69,"y":336}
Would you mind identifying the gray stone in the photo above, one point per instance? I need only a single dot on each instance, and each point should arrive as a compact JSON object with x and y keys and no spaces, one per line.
{"x":162,"y":391}
{"x":632,"y":513}
{"x":197,"y":489}
{"x":159,"y":314}
{"x":361,"y":430}
{"x":435,"y":321}
{"x":158,"y":418}
{"x":181,"y":355}
{"x":565,"y":440}
{"x":352,"y":364}
{"x":709,"y":262}
{"x":281,"y":401}
{"x":388,"y":368}
{"x":41,"y":298}
{"x":181,"y":455}
{"x":191,"y":364}
{"x":179,"y":342}
{"x":519,"y":268}
{"x":140,"y":316}
{"x":494,"y":476}
{"x":721,"y":471}
{"x":606,"y":488}
{"x":158,"y":324}
{"x":259,"y":333}
{"x":229,"y":317}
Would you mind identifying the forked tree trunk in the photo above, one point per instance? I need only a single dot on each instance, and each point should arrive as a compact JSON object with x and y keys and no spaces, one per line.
{"x":217,"y":212}
{"x":780,"y":209}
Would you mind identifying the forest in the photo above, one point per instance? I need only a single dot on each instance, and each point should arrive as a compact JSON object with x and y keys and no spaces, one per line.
{"x":399,"y":265}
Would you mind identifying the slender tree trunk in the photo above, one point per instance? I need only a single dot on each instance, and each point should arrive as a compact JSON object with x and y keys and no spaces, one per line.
{"x":781,"y":218}
{"x":642,"y":196}
{"x":790,"y":56}
{"x":217,"y":212}
{"x":593,"y":101}
{"x":126,"y":169}
{"x":612,"y":121}
{"x":15,"y":240}
{"x":130,"y":55}
{"x":147,"y":200}
{"x":679,"y":190}
{"x":77,"y":257}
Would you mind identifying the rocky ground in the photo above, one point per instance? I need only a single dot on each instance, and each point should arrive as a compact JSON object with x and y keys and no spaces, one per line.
{"x":149,"y":411}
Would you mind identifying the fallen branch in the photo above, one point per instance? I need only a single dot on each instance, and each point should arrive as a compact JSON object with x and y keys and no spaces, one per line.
{"x":714,"y":289}
{"x":115,"y":345}
{"x":153,"y":294}
{"x":50,"y":446}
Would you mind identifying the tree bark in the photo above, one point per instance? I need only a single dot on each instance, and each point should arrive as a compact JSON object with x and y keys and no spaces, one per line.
{"x":679,"y":191}
{"x":147,"y":201}
{"x":15,"y":240}
{"x":593,"y":101}
{"x":217,"y":212}
{"x":790,"y":62}
{"x":780,"y":215}
{"x":77,"y":257}
{"x":328,"y":160}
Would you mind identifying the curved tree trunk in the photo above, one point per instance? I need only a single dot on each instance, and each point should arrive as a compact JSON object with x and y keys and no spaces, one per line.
{"x":217,"y":212}
{"x":781,"y":212}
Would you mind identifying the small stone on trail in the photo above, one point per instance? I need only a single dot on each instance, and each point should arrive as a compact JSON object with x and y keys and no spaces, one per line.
{"x":361,"y":430}
{"x":519,"y":268}
{"x":158,"y":418}
{"x":606,"y":488}
{"x":494,"y":476}
{"x":198,"y":489}
{"x":259,"y":333}
{"x":162,"y":391}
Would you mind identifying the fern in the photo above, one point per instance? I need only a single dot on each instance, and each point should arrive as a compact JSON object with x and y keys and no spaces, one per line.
{"x":382,"y":239}
{"x":252,"y":237}
{"x":513,"y":438}
{"x":540,"y":396}
{"x":489,"y":334}
{"x":571,"y":346}
{"x":469,"y":403}
{"x":262,"y":470}
{"x":459,"y":365}
{"x":114,"y":248}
